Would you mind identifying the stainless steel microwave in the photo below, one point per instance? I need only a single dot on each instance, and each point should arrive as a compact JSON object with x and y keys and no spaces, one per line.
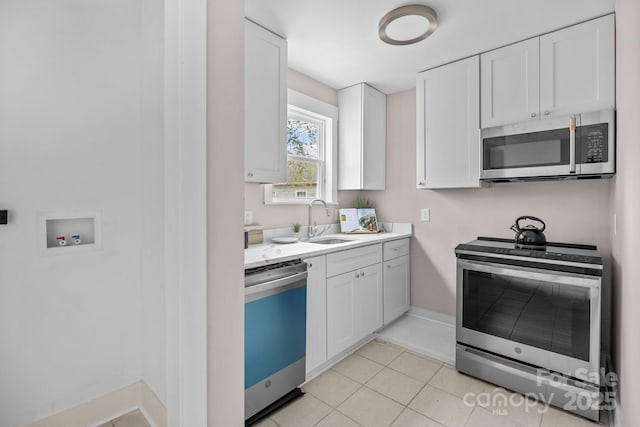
{"x":576,"y":146}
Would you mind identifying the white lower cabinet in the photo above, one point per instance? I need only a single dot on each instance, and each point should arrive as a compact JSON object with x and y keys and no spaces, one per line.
{"x":354,"y":307}
{"x":341,"y":316}
{"x":368,"y":307}
{"x":397,"y":279}
{"x":316,"y":353}
{"x":396,"y":288}
{"x":354,"y":296}
{"x":350,"y":295}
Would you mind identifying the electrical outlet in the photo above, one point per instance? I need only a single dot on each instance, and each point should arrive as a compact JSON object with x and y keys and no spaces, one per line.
{"x":248,"y":217}
{"x":425,"y":215}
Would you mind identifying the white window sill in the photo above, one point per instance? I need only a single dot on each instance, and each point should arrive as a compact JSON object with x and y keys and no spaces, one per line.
{"x":304,"y":202}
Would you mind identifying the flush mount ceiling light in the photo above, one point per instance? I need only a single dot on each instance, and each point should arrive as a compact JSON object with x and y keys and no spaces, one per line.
{"x":407,"y":24}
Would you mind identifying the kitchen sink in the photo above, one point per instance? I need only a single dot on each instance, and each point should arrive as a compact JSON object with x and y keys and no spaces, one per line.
{"x":330,"y":241}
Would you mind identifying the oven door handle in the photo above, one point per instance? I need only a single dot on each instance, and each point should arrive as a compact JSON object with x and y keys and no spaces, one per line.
{"x":593,"y":282}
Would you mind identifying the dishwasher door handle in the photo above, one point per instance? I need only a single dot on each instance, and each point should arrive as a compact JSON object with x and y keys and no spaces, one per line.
{"x":276,"y":286}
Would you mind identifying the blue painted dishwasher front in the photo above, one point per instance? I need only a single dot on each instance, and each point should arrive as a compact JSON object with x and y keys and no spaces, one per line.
{"x":275,"y":333}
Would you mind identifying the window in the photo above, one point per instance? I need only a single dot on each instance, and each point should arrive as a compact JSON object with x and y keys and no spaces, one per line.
{"x":311,"y":153}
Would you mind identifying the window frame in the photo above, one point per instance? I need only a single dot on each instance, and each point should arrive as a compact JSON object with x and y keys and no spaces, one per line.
{"x":321,"y":123}
{"x":314,"y":109}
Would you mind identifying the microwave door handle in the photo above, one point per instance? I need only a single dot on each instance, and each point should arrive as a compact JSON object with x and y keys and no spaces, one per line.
{"x":572,"y":145}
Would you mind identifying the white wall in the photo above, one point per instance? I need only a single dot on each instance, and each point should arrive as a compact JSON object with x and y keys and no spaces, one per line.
{"x":78,"y":131}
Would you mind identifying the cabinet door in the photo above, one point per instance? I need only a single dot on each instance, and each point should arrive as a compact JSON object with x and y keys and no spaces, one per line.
{"x":265,"y":103}
{"x":368,"y":302}
{"x":510,"y":84}
{"x":341,"y":320}
{"x":362,"y":138}
{"x":316,"y":312}
{"x":374,"y":139}
{"x":397,"y":281}
{"x":577,"y":68}
{"x":350,"y":138}
{"x":448,"y":125}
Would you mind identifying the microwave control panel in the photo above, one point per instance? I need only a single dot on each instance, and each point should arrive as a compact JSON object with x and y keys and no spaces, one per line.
{"x":594,"y":143}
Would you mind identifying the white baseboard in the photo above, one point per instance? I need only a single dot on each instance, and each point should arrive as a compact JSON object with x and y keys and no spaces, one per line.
{"x":112,"y":405}
{"x":432,"y":315}
{"x":152,"y":407}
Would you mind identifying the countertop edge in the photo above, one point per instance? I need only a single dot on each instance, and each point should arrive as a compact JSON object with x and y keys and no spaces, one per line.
{"x":309,"y":250}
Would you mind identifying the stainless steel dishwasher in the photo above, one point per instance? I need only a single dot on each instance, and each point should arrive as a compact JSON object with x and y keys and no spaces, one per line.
{"x":275,"y":313}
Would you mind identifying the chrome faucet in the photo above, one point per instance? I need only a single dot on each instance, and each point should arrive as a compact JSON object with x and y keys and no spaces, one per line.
{"x":312,"y":230}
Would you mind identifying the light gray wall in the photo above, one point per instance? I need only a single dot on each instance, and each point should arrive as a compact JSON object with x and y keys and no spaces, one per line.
{"x":79,"y":130}
{"x":225,"y":181}
{"x":575,"y":211}
{"x":625,"y":204}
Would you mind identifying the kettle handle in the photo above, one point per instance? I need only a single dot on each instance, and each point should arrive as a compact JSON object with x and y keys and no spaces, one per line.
{"x":532,"y":218}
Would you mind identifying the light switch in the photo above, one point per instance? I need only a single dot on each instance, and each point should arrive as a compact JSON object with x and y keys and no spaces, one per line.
{"x":248,"y":217}
{"x":425,"y":214}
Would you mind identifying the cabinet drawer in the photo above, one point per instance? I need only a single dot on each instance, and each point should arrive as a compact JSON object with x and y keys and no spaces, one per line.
{"x":344,"y":261}
{"x":396,"y":249}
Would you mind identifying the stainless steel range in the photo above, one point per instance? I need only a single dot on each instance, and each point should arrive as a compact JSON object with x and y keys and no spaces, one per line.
{"x":529,"y":320}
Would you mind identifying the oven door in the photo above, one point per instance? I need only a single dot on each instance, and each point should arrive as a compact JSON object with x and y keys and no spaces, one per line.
{"x":545,"y":318}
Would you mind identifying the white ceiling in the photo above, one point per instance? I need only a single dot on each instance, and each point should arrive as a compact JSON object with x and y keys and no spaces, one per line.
{"x":336,"y":41}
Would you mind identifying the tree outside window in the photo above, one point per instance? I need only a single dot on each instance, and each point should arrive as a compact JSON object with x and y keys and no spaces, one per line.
{"x":305,"y":159}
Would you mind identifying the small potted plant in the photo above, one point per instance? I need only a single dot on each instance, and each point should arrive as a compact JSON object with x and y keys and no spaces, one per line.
{"x":296,"y":229}
{"x":363,"y":203}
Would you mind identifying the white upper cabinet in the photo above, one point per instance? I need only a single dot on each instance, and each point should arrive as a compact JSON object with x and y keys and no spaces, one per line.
{"x":577,"y":68}
{"x":361,"y":138}
{"x":448,"y":125}
{"x":564,"y":72}
{"x":265,"y":106}
{"x":510,"y":84}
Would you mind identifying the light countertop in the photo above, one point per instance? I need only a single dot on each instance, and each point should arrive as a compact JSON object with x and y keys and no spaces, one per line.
{"x":269,"y":252}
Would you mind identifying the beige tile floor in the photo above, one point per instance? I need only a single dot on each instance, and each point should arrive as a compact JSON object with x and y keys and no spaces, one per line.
{"x":384,"y":385}
{"x":132,"y":419}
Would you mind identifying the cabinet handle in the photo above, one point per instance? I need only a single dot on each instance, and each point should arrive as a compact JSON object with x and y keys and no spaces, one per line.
{"x":357,"y":275}
{"x":309,"y":265}
{"x":546,"y":113}
{"x":388,"y":265}
{"x":533,"y":114}
{"x":250,"y":174}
